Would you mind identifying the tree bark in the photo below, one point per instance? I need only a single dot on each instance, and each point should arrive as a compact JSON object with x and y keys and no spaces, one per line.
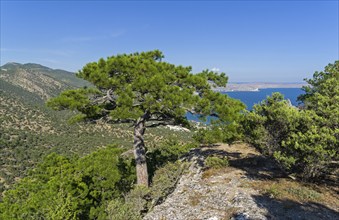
{"x":139,"y":150}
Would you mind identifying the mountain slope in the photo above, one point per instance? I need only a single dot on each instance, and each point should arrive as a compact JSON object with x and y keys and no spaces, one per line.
{"x":39,"y":82}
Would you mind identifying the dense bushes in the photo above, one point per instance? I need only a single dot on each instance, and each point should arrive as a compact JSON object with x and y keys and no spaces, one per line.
{"x":165,"y":180}
{"x":119,"y":209}
{"x":97,"y":186}
{"x":169,"y":151}
{"x":219,"y":132}
{"x":141,"y":199}
{"x":63,"y":188}
{"x":216,"y":162}
{"x":304,"y":141}
{"x":270,"y":122}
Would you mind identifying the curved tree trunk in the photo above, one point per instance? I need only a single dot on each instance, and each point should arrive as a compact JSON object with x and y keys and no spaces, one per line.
{"x":139,"y":150}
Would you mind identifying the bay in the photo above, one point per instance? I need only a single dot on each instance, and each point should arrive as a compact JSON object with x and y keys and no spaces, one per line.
{"x":254,"y":97}
{"x":250,"y":98}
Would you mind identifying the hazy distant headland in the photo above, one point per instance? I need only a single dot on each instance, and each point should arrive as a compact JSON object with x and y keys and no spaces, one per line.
{"x":255,"y":86}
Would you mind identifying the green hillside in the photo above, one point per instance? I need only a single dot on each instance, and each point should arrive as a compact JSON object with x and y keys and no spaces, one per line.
{"x":66,"y":77}
{"x":29,"y":130}
{"x":36,"y":82}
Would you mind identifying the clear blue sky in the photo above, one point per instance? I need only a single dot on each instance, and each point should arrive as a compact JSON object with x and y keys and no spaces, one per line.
{"x":262,"y":41}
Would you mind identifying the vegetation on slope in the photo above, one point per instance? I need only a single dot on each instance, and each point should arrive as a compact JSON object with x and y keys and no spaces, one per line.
{"x":29,"y":131}
{"x":83,"y":176}
{"x":90,"y":187}
{"x":305,"y":141}
{"x":145,"y":91}
{"x":36,"y":81}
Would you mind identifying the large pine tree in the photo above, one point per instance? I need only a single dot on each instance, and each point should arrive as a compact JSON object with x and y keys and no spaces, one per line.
{"x":141,"y":89}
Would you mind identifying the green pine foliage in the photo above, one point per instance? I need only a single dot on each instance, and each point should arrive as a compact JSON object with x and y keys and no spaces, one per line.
{"x":303,"y":141}
{"x":129,"y":85}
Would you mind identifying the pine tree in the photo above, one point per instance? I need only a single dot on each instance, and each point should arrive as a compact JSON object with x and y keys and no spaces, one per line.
{"x":143,"y":90}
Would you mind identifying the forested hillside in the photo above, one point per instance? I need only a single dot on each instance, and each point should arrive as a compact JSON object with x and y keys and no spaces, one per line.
{"x":30,"y":130}
{"x":35,"y":82}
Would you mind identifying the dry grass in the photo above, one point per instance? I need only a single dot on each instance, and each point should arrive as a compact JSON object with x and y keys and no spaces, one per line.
{"x":194,"y":198}
{"x":242,"y":148}
{"x":216,"y":171}
{"x":230,"y":213}
{"x":286,"y":189}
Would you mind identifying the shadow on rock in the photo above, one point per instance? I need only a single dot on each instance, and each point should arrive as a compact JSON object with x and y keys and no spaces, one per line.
{"x":258,"y":167}
{"x":288,"y":209}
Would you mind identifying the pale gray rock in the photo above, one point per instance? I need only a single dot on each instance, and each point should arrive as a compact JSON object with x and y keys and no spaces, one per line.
{"x":227,"y":194}
{"x":219,"y":197}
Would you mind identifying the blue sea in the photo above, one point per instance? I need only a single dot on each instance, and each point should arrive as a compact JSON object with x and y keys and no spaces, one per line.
{"x":251,"y":98}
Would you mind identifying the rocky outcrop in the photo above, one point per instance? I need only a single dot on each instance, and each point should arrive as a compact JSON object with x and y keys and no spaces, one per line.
{"x":218,"y":197}
{"x":226,"y":193}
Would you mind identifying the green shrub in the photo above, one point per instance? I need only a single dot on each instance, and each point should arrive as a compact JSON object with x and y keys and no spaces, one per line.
{"x":217,"y":133}
{"x":140,"y":199}
{"x":216,"y":162}
{"x":165,"y":180}
{"x":273,"y":191}
{"x":61,"y":188}
{"x":303,"y":141}
{"x":304,"y":193}
{"x":135,"y":204}
{"x":208,"y":136}
{"x":120,"y":210}
{"x":170,"y":151}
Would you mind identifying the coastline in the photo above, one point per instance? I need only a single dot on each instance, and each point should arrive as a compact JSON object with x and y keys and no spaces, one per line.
{"x":256,"y":86}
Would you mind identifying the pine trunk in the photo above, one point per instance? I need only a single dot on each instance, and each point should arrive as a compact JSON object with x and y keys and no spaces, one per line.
{"x":140,"y":152}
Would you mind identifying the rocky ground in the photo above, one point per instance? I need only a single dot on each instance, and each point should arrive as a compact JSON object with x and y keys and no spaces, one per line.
{"x":251,"y":187}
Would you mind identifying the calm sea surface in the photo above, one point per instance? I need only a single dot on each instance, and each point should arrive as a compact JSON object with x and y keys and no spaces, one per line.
{"x":251,"y":98}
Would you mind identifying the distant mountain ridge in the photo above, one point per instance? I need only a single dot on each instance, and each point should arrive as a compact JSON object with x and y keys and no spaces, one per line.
{"x":37,"y":81}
